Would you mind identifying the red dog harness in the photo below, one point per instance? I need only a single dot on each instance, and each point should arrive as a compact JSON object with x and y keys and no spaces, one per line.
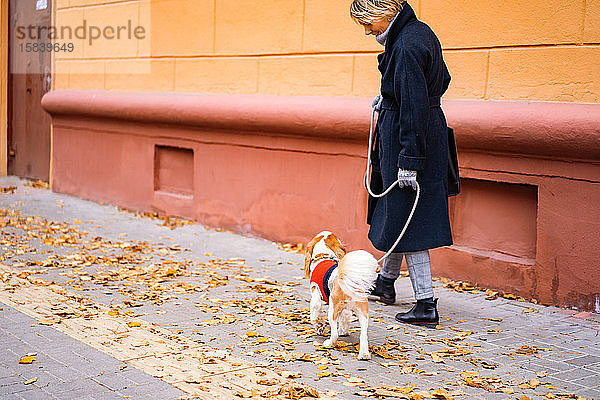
{"x":321,"y":274}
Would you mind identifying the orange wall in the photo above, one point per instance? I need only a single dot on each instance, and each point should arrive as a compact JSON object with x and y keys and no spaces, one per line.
{"x":538,"y":50}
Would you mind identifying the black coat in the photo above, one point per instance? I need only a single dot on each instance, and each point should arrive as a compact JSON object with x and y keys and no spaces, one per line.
{"x":411,"y":134}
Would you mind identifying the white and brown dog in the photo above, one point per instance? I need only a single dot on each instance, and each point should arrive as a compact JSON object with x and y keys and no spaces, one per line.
{"x":343,"y":280}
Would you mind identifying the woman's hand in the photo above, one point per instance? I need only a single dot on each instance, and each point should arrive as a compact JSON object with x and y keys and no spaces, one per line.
{"x":376,"y":105}
{"x":407,"y":177}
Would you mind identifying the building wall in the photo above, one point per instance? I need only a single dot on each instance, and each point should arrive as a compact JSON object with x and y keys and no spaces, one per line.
{"x":513,"y":50}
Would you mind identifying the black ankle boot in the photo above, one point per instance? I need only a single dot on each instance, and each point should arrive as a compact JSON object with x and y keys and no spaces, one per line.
{"x":423,"y":313}
{"x":384,"y":289}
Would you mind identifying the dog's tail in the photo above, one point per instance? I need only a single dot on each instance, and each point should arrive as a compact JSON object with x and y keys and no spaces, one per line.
{"x":357,"y":274}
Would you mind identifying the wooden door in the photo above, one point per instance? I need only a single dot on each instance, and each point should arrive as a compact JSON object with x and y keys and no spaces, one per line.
{"x":29,"y":79}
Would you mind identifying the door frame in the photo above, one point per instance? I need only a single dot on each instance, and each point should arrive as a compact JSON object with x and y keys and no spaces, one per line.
{"x":4,"y":84}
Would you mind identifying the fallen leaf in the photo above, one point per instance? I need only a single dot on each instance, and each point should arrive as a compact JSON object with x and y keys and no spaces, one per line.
{"x":133,"y":324}
{"x":442,"y":394}
{"x":290,"y":374}
{"x":30,"y":381}
{"x":534,"y":383}
{"x":267,"y":382}
{"x":26,"y":360}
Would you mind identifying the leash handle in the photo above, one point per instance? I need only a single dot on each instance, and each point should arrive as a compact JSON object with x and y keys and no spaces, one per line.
{"x":367,"y":183}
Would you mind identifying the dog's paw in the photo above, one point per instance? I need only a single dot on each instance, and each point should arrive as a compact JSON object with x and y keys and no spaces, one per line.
{"x":329,"y":344}
{"x":364,"y":356}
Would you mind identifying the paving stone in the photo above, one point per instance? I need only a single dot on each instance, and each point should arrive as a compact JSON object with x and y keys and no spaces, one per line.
{"x":159,"y":390}
{"x":11,"y":380}
{"x":34,"y":394}
{"x":137,"y":376}
{"x":6,"y":372}
{"x":570,"y":336}
{"x":99,"y":395}
{"x":574,"y":375}
{"x":584,"y":361}
{"x":590,"y":381}
{"x":565,"y":386}
{"x":591,"y":394}
{"x":114,"y":382}
{"x":13,"y":388}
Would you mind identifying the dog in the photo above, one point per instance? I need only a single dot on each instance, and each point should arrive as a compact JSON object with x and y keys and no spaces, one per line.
{"x":343,"y":280}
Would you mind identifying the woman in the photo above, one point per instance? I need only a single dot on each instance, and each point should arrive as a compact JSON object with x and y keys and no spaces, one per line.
{"x":411,"y":145}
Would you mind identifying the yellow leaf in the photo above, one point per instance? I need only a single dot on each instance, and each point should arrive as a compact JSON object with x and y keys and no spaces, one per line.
{"x":442,"y":394}
{"x":133,"y":324}
{"x":322,"y":367}
{"x":267,"y":382}
{"x":290,"y":374}
{"x":26,"y":360}
{"x":30,"y":381}
{"x":355,"y":380}
{"x":112,"y":313}
{"x":534,"y":383}
{"x":251,"y":334}
{"x":324,"y":374}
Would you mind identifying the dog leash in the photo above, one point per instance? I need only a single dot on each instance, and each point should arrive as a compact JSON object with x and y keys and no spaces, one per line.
{"x":368,"y":187}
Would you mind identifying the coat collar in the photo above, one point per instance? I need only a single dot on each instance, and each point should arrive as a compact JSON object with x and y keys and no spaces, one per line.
{"x":406,"y":15}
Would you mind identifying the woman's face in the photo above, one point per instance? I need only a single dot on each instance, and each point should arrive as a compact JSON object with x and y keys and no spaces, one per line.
{"x":377,"y":27}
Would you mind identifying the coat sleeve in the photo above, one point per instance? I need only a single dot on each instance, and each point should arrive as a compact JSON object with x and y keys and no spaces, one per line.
{"x":410,"y":91}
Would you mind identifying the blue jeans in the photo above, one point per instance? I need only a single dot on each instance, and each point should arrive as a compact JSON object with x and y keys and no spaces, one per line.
{"x":419,"y":270}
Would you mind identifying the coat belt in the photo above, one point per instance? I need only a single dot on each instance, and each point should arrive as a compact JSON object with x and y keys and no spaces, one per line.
{"x":388,"y":104}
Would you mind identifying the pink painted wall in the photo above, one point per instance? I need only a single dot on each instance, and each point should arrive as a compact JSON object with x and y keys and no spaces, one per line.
{"x":286,"y":167}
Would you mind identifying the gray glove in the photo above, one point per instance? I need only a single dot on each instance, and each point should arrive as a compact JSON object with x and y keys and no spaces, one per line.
{"x":407,"y":177}
{"x":376,"y":105}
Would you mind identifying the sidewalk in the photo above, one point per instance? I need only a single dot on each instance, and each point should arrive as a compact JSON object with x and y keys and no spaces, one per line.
{"x":140,"y":310}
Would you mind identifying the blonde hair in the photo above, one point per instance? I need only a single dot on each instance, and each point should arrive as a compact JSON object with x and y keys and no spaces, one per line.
{"x":365,"y":12}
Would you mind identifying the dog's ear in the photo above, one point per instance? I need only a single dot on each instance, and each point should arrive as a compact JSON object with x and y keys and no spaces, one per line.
{"x":335,"y":245}
{"x":308,"y":254}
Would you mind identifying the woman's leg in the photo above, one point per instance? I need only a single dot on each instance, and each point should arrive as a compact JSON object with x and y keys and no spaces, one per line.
{"x":384,"y":286}
{"x":419,"y":270}
{"x":425,"y":311}
{"x":391,"y":266}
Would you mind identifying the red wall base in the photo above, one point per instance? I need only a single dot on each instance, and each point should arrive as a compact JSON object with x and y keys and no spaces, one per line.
{"x":527,"y":222}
